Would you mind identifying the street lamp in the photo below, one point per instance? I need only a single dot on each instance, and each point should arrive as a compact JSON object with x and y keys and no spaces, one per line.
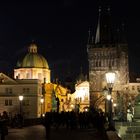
{"x":105,"y":92}
{"x":114,"y":105}
{"x":108,"y":97}
{"x":110,"y":79}
{"x":20,"y":100}
{"x":42,"y":101}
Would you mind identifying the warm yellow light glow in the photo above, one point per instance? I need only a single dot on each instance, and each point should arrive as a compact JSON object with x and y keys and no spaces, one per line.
{"x":82,"y":93}
{"x":42,"y":100}
{"x":72,"y":106}
{"x":20,"y":97}
{"x":114,"y":104}
{"x":110,"y":77}
{"x":80,"y":96}
{"x":86,"y":109}
{"x":108,"y":97}
{"x":32,"y":73}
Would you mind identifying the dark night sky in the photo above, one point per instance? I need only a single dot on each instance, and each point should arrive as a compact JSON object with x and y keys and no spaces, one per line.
{"x":60,"y":29}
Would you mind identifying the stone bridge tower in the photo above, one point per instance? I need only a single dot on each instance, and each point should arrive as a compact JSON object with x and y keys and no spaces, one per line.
{"x":108,"y":49}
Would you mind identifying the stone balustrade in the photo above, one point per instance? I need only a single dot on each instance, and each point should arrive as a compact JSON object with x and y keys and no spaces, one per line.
{"x":128,"y":130}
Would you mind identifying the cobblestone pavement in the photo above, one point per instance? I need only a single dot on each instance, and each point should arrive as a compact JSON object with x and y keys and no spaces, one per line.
{"x":37,"y":132}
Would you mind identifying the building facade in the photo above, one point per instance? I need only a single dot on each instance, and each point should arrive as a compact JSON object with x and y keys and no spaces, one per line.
{"x":11,"y":89}
{"x":33,"y":66}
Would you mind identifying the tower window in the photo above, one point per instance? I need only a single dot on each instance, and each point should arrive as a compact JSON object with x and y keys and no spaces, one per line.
{"x":113,"y":63}
{"x":96,"y":64}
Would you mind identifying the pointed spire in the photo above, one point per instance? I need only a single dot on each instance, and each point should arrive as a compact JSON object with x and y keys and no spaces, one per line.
{"x":104,"y":27}
{"x":97,"y":37}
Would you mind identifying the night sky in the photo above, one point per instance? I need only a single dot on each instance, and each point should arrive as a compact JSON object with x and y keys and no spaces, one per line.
{"x":60,"y":29}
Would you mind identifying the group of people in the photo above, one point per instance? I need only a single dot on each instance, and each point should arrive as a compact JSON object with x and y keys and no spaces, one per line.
{"x":17,"y":121}
{"x":13,"y":121}
{"x":4,"y":119}
{"x":77,"y":120}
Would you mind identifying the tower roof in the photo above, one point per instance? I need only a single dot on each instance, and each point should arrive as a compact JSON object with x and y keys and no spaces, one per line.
{"x":32,"y":59}
{"x":106,"y":31}
{"x":104,"y":26}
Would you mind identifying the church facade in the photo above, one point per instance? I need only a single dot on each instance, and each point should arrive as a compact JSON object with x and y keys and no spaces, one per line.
{"x":33,"y":66}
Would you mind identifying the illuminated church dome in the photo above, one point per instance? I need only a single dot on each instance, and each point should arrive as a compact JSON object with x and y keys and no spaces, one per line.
{"x":32,"y":59}
{"x":33,"y":66}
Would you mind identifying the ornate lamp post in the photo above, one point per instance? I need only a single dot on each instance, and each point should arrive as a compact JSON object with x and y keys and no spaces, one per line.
{"x":114,"y":105}
{"x":110,"y":79}
{"x":105,"y":92}
{"x":20,"y":101}
{"x":42,"y":101}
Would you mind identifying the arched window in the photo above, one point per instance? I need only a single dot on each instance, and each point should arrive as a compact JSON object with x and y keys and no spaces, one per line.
{"x":96,"y":63}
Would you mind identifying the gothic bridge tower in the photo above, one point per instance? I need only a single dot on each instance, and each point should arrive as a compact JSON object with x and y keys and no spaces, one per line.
{"x":108,"y":49}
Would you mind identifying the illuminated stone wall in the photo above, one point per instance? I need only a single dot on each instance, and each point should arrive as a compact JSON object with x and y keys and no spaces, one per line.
{"x":80,"y":97}
{"x":32,"y":73}
{"x":101,"y":57}
{"x":53,"y":91}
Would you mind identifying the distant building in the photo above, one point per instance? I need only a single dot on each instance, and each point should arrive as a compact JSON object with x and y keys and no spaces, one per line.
{"x":80,"y":99}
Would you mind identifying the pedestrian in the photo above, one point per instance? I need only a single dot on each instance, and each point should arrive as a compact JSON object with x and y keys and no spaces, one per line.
{"x":129,"y":116}
{"x":47,"y":124}
{"x":3,"y":128}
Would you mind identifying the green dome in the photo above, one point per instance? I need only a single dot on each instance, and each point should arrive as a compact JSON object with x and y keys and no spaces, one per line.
{"x":33,"y":59}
